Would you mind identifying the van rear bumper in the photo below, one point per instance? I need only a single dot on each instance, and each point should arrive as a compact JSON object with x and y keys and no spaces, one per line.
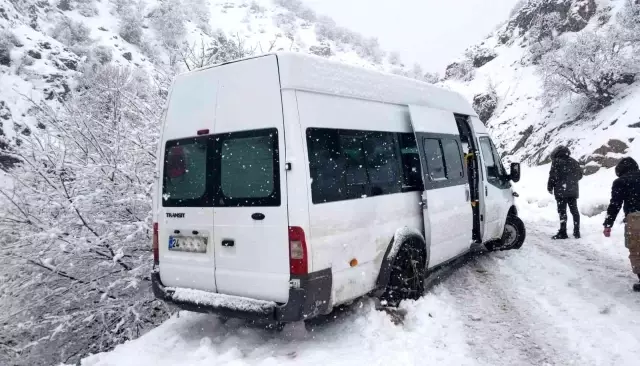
{"x":309,"y":296}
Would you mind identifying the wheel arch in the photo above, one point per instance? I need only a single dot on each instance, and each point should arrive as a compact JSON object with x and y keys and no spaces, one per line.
{"x":513,"y":211}
{"x":404,"y":235}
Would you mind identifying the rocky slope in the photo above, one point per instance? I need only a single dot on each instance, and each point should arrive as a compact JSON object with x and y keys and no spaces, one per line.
{"x":502,"y":77}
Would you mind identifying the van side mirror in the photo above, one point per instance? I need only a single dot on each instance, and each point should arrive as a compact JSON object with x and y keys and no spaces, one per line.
{"x":514,"y":175}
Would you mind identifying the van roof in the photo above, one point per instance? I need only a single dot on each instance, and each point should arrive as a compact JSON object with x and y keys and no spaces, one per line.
{"x":312,"y":73}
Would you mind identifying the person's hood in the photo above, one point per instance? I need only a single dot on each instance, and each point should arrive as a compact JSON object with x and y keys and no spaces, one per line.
{"x":626,"y":166}
{"x":560,"y":152}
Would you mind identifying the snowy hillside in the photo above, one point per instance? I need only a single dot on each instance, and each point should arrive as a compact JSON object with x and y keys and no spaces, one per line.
{"x":46,"y":44}
{"x":517,"y":82}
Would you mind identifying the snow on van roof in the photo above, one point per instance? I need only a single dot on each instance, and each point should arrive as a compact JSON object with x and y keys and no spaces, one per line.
{"x":316,"y":74}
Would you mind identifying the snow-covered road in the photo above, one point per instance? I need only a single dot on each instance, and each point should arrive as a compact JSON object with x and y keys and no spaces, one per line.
{"x":551,"y":303}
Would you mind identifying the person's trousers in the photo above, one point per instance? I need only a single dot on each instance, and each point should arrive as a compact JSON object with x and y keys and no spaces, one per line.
{"x":573,"y":208}
{"x":632,"y":240}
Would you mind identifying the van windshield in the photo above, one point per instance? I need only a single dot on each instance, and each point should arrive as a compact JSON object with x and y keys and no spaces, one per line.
{"x":226,"y":170}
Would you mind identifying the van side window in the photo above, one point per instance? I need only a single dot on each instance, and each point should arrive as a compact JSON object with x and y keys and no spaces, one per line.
{"x":349,"y":164}
{"x":355,"y":170}
{"x":412,"y":171}
{"x":435,"y":159}
{"x":492,"y":161}
{"x":383,"y":165}
{"x":452,"y":158}
{"x":489,"y":161}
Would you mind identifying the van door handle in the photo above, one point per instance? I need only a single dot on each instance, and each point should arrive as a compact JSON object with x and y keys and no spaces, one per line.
{"x":228,"y":243}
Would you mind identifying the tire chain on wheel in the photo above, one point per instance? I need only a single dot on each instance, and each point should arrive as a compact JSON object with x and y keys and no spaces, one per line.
{"x":407,"y":275}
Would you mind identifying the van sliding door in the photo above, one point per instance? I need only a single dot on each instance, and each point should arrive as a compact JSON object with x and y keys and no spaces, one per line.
{"x":447,"y":212}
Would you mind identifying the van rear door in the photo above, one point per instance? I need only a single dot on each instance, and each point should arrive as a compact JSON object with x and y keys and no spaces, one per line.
{"x":224,"y":183}
{"x":250,"y":232}
{"x":184,"y":201}
{"x":446,"y":199}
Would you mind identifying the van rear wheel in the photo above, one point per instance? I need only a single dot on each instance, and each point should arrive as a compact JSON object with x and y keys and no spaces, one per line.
{"x":406,"y":281}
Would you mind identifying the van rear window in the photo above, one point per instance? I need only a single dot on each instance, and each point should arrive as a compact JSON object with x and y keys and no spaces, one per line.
{"x":225,"y":170}
{"x":186,"y":173}
{"x":249,"y":169}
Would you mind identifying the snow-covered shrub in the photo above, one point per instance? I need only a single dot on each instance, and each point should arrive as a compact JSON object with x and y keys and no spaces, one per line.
{"x":168,"y":20}
{"x":255,"y":8}
{"x":198,"y":12}
{"x":102,"y":54}
{"x":431,"y":77}
{"x":220,"y":49}
{"x":629,"y":21}
{"x":77,"y":223}
{"x":130,"y":29}
{"x":368,"y":49}
{"x":323,"y":50}
{"x":87,"y":8}
{"x":70,"y":32}
{"x":589,"y":66}
{"x":541,"y":48}
{"x":394,"y":58}
{"x":299,"y":9}
{"x":5,"y":49}
{"x":461,"y":70}
{"x":286,"y":22}
{"x":64,"y":5}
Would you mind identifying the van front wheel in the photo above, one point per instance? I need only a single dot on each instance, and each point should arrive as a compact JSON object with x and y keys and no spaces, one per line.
{"x":514,"y":233}
{"x":406,"y":281}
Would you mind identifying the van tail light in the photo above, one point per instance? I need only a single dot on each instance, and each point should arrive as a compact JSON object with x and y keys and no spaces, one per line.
{"x":298,"y":259}
{"x":156,"y":250}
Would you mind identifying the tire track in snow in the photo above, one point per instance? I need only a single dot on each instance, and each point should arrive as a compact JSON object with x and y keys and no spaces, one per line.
{"x":613,"y":278}
{"x":501,"y":328}
{"x":598,"y":329}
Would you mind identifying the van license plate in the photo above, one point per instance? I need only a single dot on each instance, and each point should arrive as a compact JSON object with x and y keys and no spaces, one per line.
{"x":191,"y":244}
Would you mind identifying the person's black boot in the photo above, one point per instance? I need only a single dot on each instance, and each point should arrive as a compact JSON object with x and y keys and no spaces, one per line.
{"x":562,"y":233}
{"x":576,"y":233}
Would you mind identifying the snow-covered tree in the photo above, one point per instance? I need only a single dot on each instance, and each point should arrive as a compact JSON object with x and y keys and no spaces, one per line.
{"x":589,"y":66}
{"x":168,"y":20}
{"x":130,"y":28}
{"x":220,"y":49}
{"x":394,"y":58}
{"x":71,"y":32}
{"x":629,"y":21}
{"x":76,"y":223}
{"x":432,"y":77}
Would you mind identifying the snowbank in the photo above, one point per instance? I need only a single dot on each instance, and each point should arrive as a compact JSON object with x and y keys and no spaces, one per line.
{"x":432,"y":333}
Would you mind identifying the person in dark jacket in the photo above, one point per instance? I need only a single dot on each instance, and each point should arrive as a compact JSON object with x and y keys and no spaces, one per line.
{"x":563,"y":183}
{"x":626,"y":191}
